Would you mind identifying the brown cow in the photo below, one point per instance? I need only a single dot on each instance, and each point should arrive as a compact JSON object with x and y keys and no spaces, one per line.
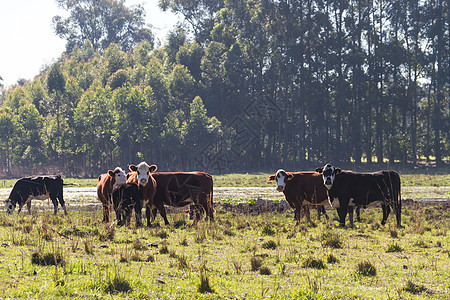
{"x":105,"y":185}
{"x":179,"y":189}
{"x":142,"y":175}
{"x":301,"y":189}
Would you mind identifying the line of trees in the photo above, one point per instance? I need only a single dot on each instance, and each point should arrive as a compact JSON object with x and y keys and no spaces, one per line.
{"x":243,"y":86}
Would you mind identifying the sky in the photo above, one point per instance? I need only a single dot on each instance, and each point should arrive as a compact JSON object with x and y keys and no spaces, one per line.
{"x":28,"y":42}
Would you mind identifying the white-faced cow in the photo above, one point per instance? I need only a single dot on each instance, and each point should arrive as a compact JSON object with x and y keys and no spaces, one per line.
{"x":126,"y":198}
{"x":142,"y":175}
{"x":38,"y":187}
{"x":300,"y":190}
{"x":347,"y":188}
{"x":105,"y":185}
{"x":179,"y":189}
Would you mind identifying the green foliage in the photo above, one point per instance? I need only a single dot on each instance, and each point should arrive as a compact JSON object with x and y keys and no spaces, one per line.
{"x":394,"y":248}
{"x":414,"y":288}
{"x":366,"y":268}
{"x":270,"y":244}
{"x":311,"y":262}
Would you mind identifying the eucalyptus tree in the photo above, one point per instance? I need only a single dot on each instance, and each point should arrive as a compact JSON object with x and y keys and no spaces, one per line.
{"x":101,"y":22}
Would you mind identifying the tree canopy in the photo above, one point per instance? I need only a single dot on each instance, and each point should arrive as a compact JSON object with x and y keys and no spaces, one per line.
{"x":245,"y":86}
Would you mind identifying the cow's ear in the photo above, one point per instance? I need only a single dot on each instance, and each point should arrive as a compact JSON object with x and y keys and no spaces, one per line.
{"x":272,"y":177}
{"x":337,"y":171}
{"x":152,"y":168}
{"x":289,"y":176}
{"x":319,"y":170}
{"x":111,"y":173}
{"x":132,"y":168}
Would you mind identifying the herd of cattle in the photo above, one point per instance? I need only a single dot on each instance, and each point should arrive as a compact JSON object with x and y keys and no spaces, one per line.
{"x":142,"y":187}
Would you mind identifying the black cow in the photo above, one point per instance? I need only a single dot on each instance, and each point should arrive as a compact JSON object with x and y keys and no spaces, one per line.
{"x":127,"y":197}
{"x":38,"y":187}
{"x":346,"y":188}
{"x":179,"y":189}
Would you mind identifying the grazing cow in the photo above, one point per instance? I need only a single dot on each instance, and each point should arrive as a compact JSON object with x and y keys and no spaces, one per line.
{"x":346,"y":188}
{"x":179,"y":189}
{"x":142,"y":175}
{"x":127,"y":197}
{"x":38,"y":187}
{"x":105,"y":185}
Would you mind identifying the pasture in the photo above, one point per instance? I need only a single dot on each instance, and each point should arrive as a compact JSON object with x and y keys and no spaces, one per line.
{"x":243,"y":254}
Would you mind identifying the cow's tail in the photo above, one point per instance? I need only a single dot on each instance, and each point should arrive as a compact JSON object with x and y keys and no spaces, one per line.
{"x":399,"y":203}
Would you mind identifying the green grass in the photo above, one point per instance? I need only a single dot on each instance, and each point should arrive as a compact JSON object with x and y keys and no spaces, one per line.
{"x":76,"y":256}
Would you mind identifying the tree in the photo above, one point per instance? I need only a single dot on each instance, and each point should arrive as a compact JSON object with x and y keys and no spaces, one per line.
{"x":101,"y":22}
{"x":7,"y":130}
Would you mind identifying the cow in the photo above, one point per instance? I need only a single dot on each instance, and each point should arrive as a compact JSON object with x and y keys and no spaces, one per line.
{"x":142,"y":176}
{"x":347,"y":188}
{"x":302,"y":189}
{"x":127,"y":197}
{"x":36,"y":187}
{"x":179,"y":189}
{"x":105,"y":185}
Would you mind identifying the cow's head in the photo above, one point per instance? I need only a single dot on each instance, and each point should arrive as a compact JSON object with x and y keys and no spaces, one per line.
{"x":143,"y":171}
{"x":9,"y":206}
{"x":118,"y":175}
{"x":328,"y":172}
{"x":281,"y":177}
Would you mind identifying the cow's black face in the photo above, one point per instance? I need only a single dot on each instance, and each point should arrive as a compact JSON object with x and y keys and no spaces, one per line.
{"x":9,"y":206}
{"x":329,"y":173}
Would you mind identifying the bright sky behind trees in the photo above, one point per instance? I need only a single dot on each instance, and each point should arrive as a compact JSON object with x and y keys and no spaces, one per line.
{"x":28,"y":41}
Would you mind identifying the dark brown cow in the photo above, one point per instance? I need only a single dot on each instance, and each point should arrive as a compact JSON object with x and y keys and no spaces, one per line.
{"x":126,"y":198}
{"x":105,"y":185}
{"x":301,"y":189}
{"x":179,"y":189}
{"x":142,"y":175}
{"x":348,"y":189}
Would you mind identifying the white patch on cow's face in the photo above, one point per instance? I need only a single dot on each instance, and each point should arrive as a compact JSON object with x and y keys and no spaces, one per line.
{"x":119,"y":176}
{"x":328,"y":175}
{"x":9,"y":206}
{"x":281,"y":180}
{"x":335,"y":203}
{"x":143,"y":170}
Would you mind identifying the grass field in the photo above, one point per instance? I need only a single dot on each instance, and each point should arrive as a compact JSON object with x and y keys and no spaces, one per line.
{"x":238,"y":256}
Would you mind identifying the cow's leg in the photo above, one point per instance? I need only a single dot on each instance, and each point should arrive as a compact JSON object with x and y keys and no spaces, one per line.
{"x":321,"y":210}
{"x":138,"y":213}
{"x":63,"y":204}
{"x":358,"y":213}
{"x":28,"y":206}
{"x":105,"y":211}
{"x":350,"y":210}
{"x":307,"y":214}
{"x":297,"y":215}
{"x":55,"y":204}
{"x":398,"y":213}
{"x":386,"y":210}
{"x":162,"y":212}
{"x":342,"y":212}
